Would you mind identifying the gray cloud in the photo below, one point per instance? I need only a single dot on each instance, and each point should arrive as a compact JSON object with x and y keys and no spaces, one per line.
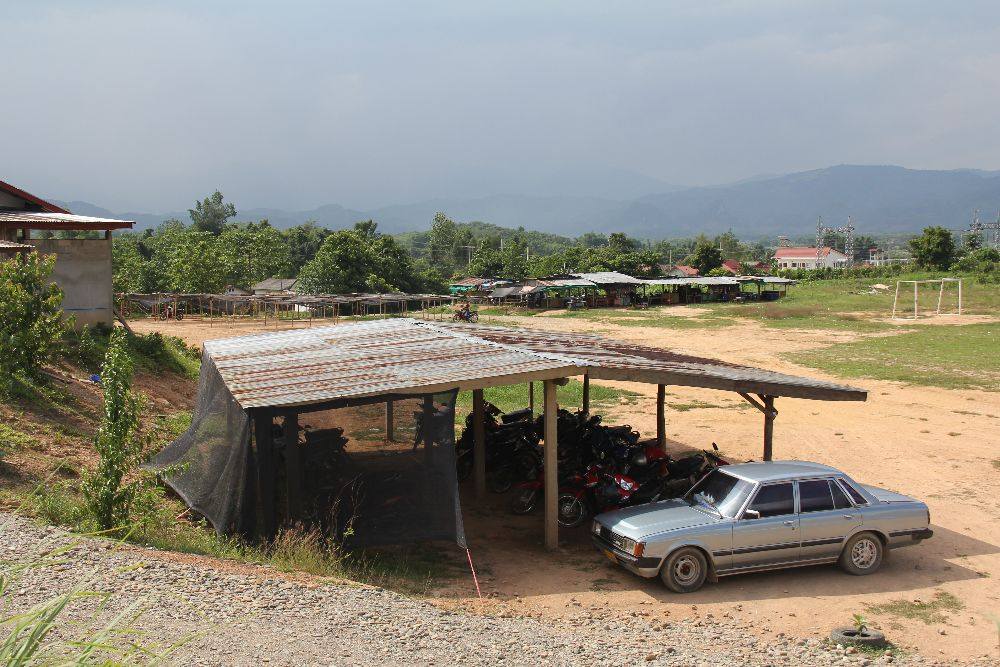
{"x":295,"y":104}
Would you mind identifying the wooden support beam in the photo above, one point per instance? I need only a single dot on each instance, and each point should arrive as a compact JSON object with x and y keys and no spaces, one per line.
{"x":390,"y":428}
{"x":293,"y":469}
{"x":263,"y":422}
{"x":429,"y":412}
{"x":586,"y":395}
{"x":479,"y":443}
{"x":531,"y":397}
{"x":661,"y":419}
{"x":551,"y":467}
{"x":769,"y":414}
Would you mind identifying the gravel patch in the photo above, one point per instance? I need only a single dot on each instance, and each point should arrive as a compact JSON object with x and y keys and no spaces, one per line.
{"x":254,"y":616}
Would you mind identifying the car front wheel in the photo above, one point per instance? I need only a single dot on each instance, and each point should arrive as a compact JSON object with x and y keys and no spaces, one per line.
{"x":862,"y":554}
{"x":685,"y":570}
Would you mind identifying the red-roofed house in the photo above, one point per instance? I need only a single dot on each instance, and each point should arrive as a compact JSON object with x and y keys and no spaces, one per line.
{"x":83,"y":265}
{"x":804,"y":257}
{"x":732,"y":266}
{"x":679,"y":271}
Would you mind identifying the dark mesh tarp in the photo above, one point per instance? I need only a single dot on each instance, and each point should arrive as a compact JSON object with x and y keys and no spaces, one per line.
{"x":208,"y":464}
{"x":356,"y":482}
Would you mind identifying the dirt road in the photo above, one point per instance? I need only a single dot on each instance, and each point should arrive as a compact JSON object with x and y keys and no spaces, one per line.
{"x":942,"y":446}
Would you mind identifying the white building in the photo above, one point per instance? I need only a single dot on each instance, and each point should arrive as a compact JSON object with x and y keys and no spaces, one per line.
{"x":804,"y":257}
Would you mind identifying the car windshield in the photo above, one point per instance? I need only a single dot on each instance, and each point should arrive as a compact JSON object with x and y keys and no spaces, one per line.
{"x":720,"y":492}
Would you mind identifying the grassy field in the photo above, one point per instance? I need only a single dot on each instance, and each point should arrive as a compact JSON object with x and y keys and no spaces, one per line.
{"x":956,"y":357}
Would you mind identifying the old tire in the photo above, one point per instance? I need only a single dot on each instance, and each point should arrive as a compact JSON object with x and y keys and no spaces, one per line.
{"x":572,"y":510}
{"x":851,"y":637}
{"x":862,"y":554}
{"x":685,"y":570}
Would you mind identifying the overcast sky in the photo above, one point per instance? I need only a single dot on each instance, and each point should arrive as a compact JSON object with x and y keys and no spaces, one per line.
{"x":146,"y":106}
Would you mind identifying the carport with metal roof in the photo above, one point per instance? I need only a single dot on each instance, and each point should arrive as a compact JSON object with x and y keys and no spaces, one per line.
{"x":284,"y":374}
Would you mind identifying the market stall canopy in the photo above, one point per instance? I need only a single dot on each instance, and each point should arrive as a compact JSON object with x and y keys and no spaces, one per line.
{"x":609,"y":278}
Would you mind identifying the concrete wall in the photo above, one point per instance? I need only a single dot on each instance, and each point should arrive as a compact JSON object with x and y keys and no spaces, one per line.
{"x":83,"y":271}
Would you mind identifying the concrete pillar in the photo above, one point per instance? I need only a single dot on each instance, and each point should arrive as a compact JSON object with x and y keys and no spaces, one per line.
{"x":551,"y":467}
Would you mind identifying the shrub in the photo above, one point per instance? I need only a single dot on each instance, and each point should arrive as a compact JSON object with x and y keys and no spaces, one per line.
{"x":31,"y":321}
{"x":111,"y":490}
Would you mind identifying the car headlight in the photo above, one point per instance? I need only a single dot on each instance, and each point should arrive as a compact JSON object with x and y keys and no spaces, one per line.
{"x":596,"y":528}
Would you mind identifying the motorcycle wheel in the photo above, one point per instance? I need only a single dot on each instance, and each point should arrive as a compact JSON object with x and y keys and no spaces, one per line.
{"x":524,"y":502}
{"x":572,"y":511}
{"x":501,"y":480}
{"x":474,"y":317}
{"x":179,"y":317}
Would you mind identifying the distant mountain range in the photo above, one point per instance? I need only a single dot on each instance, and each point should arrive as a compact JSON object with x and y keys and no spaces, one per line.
{"x":882,"y":200}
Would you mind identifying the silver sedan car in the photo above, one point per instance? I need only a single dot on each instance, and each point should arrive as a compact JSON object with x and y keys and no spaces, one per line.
{"x":761,"y":516}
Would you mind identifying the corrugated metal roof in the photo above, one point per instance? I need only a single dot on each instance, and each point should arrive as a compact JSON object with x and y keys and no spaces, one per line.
{"x":300,"y":367}
{"x":609,"y":278}
{"x":275,"y":284}
{"x":610,"y":359}
{"x":27,"y":218}
{"x":13,"y":245}
{"x":368,"y":359}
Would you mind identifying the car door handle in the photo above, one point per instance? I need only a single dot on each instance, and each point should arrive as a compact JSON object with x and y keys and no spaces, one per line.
{"x":788,"y":523}
{"x":848,"y":516}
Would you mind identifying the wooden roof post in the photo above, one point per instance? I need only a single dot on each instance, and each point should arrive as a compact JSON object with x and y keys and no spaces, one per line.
{"x":293,"y":467}
{"x":769,"y":415}
{"x":531,"y":397}
{"x":390,"y":431}
{"x":551,"y":467}
{"x":661,"y":420}
{"x":479,"y":443}
{"x":586,"y":395}
{"x":263,"y":422}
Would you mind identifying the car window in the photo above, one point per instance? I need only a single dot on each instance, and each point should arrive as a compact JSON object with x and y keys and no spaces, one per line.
{"x":774,"y":500}
{"x":854,"y":493}
{"x":840,"y":500}
{"x":815,"y":496}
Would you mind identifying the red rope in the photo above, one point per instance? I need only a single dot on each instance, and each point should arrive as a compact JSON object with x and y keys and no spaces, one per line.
{"x":474,"y":577}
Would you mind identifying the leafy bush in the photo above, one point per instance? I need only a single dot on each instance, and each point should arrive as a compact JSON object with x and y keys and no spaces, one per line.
{"x":112,"y":488}
{"x":31,"y":319}
{"x":984,"y":263}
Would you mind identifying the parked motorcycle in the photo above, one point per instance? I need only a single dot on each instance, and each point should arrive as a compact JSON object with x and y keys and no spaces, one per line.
{"x":512,"y":451}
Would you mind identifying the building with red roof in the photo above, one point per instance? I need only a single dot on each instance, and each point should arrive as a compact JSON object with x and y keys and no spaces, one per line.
{"x":83,"y":254}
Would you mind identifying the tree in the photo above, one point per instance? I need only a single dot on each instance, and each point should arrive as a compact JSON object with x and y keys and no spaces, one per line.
{"x":441,"y":242}
{"x":706,"y":256}
{"x":342,"y":265}
{"x":31,"y":317}
{"x":210,"y":214}
{"x":131,"y":268}
{"x":303,"y":242}
{"x":111,"y":489}
{"x":252,"y":252}
{"x":934,"y":248}
{"x":193,"y":263}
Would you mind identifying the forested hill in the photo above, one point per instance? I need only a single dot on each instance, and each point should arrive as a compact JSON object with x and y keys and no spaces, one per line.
{"x":882,"y":200}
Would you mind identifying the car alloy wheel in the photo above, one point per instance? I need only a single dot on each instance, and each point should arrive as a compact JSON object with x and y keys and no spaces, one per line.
{"x":864,"y":553}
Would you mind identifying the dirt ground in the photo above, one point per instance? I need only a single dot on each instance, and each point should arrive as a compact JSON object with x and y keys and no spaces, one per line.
{"x":942,"y":446}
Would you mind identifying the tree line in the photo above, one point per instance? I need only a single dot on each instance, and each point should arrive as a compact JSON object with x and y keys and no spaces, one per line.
{"x":212,"y":251}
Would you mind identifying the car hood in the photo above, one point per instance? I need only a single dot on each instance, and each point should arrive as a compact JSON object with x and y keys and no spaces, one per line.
{"x":642,"y":520}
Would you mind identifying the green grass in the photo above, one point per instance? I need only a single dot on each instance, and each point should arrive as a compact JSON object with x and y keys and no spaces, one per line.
{"x":12,"y":439}
{"x":954,"y":357}
{"x":928,"y":612}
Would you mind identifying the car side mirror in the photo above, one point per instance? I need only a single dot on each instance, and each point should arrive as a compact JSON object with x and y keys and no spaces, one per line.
{"x":751,"y":514}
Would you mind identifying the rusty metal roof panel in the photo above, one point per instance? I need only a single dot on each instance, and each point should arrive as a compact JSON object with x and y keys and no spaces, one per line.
{"x":28,"y":218}
{"x":612,"y":359}
{"x":609,"y":278}
{"x":366,"y":359}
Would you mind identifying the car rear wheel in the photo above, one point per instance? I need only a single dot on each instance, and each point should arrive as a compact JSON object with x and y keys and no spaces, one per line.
{"x":862,"y":554}
{"x":685,"y":570}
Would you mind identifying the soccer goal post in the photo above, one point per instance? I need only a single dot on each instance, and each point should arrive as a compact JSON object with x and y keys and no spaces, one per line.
{"x":898,"y":306}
